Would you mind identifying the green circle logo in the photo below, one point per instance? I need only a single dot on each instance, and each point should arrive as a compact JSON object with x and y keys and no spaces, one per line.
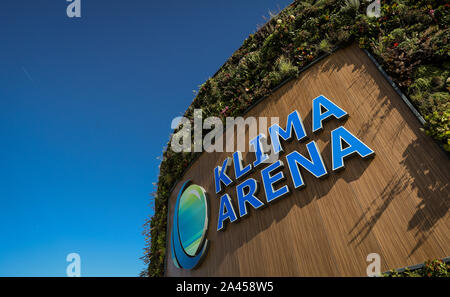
{"x":190,"y":224}
{"x":192,"y":219}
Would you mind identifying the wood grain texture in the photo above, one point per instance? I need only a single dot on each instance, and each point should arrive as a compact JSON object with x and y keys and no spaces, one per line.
{"x":395,"y":204}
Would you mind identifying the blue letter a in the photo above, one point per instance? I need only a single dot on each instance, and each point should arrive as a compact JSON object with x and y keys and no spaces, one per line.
{"x":226,"y":211}
{"x":354,"y":146}
{"x":318,"y":116}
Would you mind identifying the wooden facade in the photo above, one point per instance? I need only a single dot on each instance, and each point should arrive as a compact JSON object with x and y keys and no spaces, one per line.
{"x":395,"y":204}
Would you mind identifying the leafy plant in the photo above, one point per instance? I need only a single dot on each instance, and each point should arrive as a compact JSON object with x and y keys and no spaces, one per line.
{"x":431,"y":268}
{"x":437,"y":126}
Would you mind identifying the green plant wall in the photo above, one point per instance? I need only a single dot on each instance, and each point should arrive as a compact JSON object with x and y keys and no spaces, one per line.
{"x":409,"y":40}
{"x":431,"y":268}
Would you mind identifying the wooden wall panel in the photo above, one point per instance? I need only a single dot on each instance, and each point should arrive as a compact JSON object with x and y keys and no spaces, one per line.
{"x":395,"y":204}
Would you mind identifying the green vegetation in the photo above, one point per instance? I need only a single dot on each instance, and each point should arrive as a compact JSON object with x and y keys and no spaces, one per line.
{"x":410,"y":41}
{"x":433,"y":268}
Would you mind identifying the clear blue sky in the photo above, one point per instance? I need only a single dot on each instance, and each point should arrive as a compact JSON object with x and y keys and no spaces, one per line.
{"x":85,"y":110}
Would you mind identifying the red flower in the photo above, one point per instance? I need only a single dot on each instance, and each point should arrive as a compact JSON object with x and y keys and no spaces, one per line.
{"x":224,"y":110}
{"x":396,"y":44}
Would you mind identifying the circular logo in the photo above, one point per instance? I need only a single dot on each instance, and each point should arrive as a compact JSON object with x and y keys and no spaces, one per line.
{"x":190,"y":224}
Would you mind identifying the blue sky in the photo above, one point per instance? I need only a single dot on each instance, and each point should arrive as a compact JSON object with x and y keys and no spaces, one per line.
{"x":85,"y":110}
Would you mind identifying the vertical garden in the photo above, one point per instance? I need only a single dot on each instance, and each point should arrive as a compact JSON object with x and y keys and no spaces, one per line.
{"x":409,"y":39}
